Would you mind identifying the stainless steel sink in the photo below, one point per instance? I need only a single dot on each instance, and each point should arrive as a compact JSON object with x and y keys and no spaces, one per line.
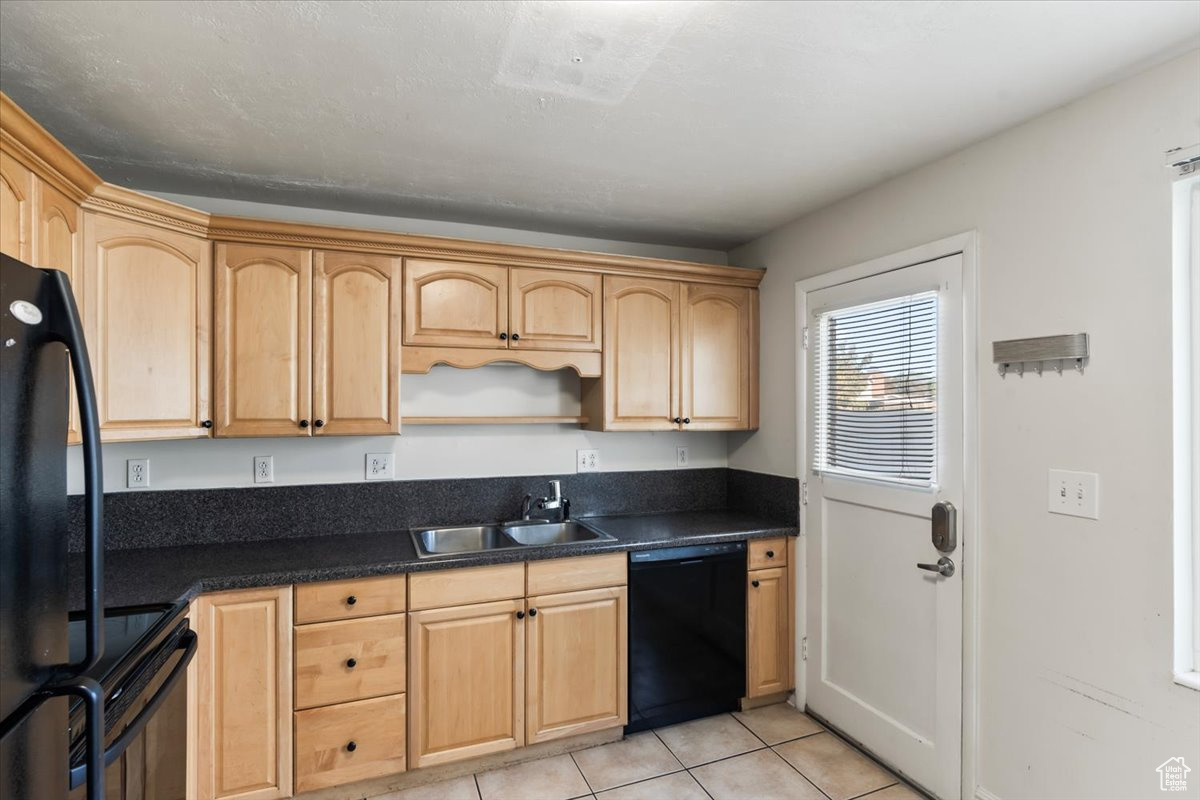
{"x":472,"y":539}
{"x":546,"y":533}
{"x":433,"y":542}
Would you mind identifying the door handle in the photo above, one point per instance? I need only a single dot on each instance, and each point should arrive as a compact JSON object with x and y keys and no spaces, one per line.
{"x":944,"y":526}
{"x":943,"y":567}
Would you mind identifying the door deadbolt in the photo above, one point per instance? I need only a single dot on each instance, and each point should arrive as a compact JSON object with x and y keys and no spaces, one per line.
{"x":945,"y":527}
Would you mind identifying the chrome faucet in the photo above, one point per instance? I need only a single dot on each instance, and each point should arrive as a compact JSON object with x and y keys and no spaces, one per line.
{"x":554,"y":502}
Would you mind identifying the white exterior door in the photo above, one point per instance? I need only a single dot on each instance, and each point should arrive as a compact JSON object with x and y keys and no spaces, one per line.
{"x":884,"y":413}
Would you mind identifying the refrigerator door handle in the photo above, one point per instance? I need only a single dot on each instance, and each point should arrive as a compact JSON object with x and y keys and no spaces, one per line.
{"x":68,"y":329}
{"x":92,"y":695}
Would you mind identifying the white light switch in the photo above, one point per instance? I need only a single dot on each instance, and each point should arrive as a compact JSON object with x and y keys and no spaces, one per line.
{"x":1074,"y":493}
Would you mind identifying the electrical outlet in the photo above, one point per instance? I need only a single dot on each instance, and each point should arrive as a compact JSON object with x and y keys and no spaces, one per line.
{"x":1074,"y":493}
{"x":137,"y":473}
{"x":264,"y":469}
{"x":587,"y":460}
{"x":681,"y":457}
{"x":380,"y":467}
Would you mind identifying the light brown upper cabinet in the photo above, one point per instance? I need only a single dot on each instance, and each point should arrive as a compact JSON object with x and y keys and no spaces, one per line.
{"x":16,"y":208}
{"x":58,"y":244}
{"x":263,"y":319}
{"x":554,"y":310}
{"x":719,"y":357}
{"x":304,"y":349}
{"x":356,"y":338}
{"x":452,"y":304}
{"x":677,"y":356}
{"x":639,"y":390}
{"x":147,"y":314}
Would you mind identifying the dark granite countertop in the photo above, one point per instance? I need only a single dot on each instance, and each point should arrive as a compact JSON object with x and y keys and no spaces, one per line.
{"x":173,"y":574}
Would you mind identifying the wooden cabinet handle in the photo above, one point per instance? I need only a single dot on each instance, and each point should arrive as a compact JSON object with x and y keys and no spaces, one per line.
{"x":351,"y":600}
{"x":206,"y":424}
{"x":533,"y":612}
{"x":754,"y":584}
{"x":520,"y":615}
{"x":503,"y":336}
{"x":319,"y":423}
{"x":351,"y":746}
{"x":677,"y":420}
{"x":516,"y":337}
{"x":687,"y":421}
{"x":770,"y":554}
{"x":303,"y":423}
{"x":351,"y":663}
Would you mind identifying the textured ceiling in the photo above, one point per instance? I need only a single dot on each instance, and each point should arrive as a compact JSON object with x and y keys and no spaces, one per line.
{"x":697,"y":123}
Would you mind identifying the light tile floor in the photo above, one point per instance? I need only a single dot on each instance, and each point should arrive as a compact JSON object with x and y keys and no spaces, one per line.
{"x":763,"y":754}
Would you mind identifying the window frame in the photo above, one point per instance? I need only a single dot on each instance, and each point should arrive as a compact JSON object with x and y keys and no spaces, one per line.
{"x":1186,"y":418}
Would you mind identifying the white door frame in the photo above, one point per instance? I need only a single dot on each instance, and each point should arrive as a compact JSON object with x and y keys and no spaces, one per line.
{"x":968,"y":245}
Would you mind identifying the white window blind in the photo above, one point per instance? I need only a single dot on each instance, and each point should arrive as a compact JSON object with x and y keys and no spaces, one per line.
{"x":876,"y":390}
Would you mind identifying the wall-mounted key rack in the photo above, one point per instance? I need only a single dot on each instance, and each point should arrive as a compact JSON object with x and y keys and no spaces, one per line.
{"x":1068,"y":349}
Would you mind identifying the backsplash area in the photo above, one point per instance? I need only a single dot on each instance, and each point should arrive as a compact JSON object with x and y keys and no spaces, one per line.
{"x":181,"y":517}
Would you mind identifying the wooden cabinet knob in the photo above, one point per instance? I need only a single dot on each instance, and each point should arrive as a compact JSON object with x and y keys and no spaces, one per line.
{"x":754,"y":584}
{"x":351,"y":663}
{"x":319,"y":423}
{"x":533,"y":612}
{"x":516,"y":337}
{"x":351,"y":600}
{"x":770,"y":554}
{"x":303,"y":423}
{"x":351,"y":746}
{"x":206,"y":424}
{"x":520,"y":615}
{"x":503,"y":336}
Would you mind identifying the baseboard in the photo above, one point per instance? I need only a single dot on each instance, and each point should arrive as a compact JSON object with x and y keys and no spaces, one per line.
{"x":426,"y":775}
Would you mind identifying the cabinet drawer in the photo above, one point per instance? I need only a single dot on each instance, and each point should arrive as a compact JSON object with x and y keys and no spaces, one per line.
{"x":571,"y":574}
{"x":349,"y":742}
{"x":358,"y":597}
{"x":457,"y":587}
{"x":767,"y":553}
{"x":349,"y":660}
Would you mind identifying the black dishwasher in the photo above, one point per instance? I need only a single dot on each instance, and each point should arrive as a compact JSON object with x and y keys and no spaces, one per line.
{"x":687,"y":633}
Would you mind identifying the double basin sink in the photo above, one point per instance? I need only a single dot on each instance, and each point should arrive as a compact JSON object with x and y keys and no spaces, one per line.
{"x":434,"y":542}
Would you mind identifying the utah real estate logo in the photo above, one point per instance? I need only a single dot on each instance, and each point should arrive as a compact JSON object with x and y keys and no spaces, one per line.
{"x":1172,"y":775}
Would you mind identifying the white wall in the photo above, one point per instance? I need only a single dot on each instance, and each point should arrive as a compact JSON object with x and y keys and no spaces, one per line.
{"x":424,"y":451}
{"x":1074,"y":218}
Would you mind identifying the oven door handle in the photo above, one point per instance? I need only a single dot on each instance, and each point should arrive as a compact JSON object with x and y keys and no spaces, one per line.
{"x":187,"y":643}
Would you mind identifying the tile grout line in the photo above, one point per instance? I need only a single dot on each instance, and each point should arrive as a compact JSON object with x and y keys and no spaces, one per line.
{"x":703,"y":788}
{"x":751,"y":731}
{"x":873,"y":791}
{"x":478,"y":791}
{"x":579,"y":769}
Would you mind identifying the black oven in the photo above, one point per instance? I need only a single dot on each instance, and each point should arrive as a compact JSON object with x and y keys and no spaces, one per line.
{"x":144,"y":678}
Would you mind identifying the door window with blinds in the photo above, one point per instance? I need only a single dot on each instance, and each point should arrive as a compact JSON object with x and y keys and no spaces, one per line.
{"x":876,"y":390}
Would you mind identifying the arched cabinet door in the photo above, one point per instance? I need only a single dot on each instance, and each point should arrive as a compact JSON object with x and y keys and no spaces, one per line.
{"x":455,"y":304}
{"x":554,"y":310}
{"x":58,"y":244}
{"x":16,"y":208}
{"x":641,"y":354}
{"x":356,"y":344}
{"x":263,"y":322}
{"x":147,"y":293}
{"x":717,"y":356}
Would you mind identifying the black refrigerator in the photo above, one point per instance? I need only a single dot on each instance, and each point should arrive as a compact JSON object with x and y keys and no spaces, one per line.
{"x":41,"y":341}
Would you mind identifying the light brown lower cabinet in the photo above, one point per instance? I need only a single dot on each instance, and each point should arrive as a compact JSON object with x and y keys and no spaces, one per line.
{"x":466,"y":681}
{"x":768,"y":638}
{"x":349,"y":742}
{"x":576,"y":663}
{"x":242,"y":698}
